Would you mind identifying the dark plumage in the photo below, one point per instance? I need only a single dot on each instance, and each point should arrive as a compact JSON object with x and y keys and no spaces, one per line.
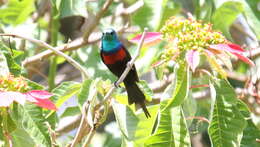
{"x":115,"y":57}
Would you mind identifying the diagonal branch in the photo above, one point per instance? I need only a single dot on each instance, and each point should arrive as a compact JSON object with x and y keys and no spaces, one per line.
{"x":45,"y":45}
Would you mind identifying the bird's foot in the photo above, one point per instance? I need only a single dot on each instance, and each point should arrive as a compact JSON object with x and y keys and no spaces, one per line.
{"x":116,"y":85}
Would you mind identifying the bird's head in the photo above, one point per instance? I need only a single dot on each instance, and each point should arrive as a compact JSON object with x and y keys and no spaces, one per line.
{"x":110,"y":40}
{"x":109,"y":35}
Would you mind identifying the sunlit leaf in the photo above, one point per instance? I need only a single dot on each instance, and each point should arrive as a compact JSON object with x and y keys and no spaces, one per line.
{"x":65,"y":91}
{"x":252,"y":15}
{"x":225,"y":15}
{"x":4,"y":70}
{"x":146,"y":89}
{"x":225,"y":116}
{"x":71,"y":111}
{"x":172,"y":130}
{"x":17,"y":11}
{"x":181,"y":85}
{"x":33,"y":122}
{"x":21,"y":138}
{"x":250,"y":134}
{"x":134,"y":128}
{"x":69,"y":7}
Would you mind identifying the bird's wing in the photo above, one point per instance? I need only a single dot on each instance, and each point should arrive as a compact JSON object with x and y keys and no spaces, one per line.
{"x":128,"y":58}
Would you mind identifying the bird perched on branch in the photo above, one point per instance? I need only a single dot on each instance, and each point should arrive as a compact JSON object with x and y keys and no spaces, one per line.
{"x":115,"y":56}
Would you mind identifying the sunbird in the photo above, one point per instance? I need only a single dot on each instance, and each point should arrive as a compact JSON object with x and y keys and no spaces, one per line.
{"x":115,"y":56}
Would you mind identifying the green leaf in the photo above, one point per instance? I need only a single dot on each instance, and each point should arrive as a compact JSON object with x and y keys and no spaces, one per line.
{"x":250,"y":134}
{"x":65,"y":91}
{"x":4,"y":70}
{"x":17,"y":11}
{"x":252,"y":15}
{"x":70,"y":111}
{"x":85,"y":91}
{"x":243,"y":108}
{"x":134,"y":128}
{"x":70,"y":7}
{"x":13,"y":59}
{"x":11,"y":126}
{"x":33,"y":122}
{"x":146,"y":89}
{"x":225,"y":116}
{"x":21,"y":138}
{"x":172,"y":130}
{"x":225,"y":15}
{"x":33,"y":85}
{"x":154,"y":13}
{"x":14,"y":68}
{"x":189,"y":107}
{"x":181,"y":85}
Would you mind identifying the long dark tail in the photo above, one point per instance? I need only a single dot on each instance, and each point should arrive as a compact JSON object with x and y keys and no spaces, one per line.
{"x":135,"y":95}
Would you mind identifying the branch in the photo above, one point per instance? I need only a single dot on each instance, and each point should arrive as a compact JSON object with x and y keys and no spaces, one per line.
{"x":94,"y":22}
{"x":45,"y":45}
{"x":78,"y":43}
{"x":84,"y":127}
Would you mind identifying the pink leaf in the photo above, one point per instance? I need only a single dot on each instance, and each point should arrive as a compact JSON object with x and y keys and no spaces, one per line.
{"x":193,"y":59}
{"x":46,"y":103}
{"x":151,"y":38}
{"x":232,"y":48}
{"x":245,"y":59}
{"x":236,"y":47}
{"x":40,"y":94}
{"x":7,"y":98}
{"x":30,"y":98}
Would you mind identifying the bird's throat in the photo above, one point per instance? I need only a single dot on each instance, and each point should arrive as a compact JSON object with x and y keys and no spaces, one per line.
{"x":110,"y":46}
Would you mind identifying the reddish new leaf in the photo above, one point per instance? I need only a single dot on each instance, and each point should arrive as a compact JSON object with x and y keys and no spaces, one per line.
{"x":151,"y":38}
{"x":232,"y":48}
{"x":45,"y":103}
{"x":40,"y":94}
{"x":244,"y":59}
{"x":193,"y":59}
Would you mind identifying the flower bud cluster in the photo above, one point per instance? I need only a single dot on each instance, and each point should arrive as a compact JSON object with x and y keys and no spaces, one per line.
{"x":188,"y":34}
{"x":11,"y":83}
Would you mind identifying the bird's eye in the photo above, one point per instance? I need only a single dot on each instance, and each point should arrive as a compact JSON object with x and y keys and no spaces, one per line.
{"x":103,"y":33}
{"x":111,"y":33}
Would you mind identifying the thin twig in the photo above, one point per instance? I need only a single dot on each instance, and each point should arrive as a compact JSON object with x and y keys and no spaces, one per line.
{"x":82,"y":125}
{"x":90,"y":136}
{"x":45,"y":45}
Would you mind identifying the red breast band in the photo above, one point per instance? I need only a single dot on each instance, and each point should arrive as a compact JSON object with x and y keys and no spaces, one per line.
{"x":112,"y":58}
